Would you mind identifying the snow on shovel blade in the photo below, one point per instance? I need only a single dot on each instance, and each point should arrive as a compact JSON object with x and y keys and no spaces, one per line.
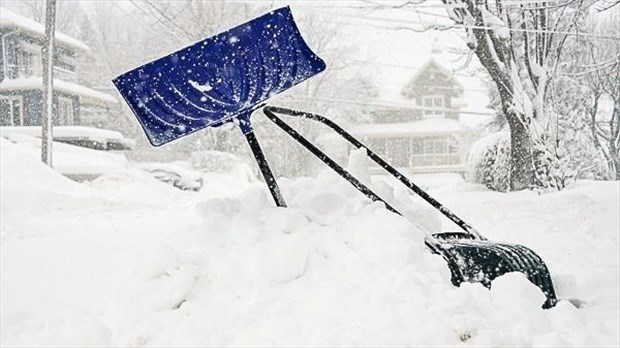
{"x":217,"y":79}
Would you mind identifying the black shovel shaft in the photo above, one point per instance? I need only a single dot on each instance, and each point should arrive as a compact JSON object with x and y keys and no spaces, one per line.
{"x":327,"y":160}
{"x":265,"y":170}
{"x":270,"y":112}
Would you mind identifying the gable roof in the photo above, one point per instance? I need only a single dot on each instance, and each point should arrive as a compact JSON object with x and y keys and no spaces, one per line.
{"x":432,"y":63}
{"x":10,"y":19}
{"x":393,"y":79}
{"x":473,"y":103}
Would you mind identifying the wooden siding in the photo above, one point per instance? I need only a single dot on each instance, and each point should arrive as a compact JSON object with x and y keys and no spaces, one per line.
{"x":32,"y":107}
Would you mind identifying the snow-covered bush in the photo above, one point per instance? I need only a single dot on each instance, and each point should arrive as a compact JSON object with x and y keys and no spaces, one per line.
{"x":557,"y":160}
{"x":489,"y":161}
{"x":553,"y":168}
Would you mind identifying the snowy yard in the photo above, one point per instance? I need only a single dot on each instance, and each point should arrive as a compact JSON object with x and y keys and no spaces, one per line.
{"x":182,"y":245}
{"x":129,"y":261}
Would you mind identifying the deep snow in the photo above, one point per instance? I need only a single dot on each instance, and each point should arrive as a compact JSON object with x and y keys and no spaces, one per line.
{"x":128,"y":260}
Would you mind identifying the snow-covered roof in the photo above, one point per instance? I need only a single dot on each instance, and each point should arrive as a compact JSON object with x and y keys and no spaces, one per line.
{"x":392,"y":58}
{"x":63,"y":133}
{"x":89,"y":95}
{"x":391,"y":79}
{"x":472,"y":104}
{"x":433,"y":61}
{"x":421,"y":127}
{"x":10,"y":19}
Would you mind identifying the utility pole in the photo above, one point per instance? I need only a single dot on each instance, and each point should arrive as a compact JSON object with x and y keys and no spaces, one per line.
{"x":48,"y":83}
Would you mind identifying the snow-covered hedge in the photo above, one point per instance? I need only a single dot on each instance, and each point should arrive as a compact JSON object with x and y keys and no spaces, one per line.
{"x":489,"y":161}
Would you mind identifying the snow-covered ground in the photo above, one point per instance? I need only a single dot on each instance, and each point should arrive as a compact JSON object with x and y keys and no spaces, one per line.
{"x":127,"y":260}
{"x":68,"y":159}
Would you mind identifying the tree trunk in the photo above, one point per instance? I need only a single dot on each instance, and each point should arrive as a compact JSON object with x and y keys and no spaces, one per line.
{"x":521,"y":156}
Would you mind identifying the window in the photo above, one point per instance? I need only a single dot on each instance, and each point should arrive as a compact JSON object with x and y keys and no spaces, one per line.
{"x":434,"y":151}
{"x":399,"y":152}
{"x":25,"y":64}
{"x":11,"y":111}
{"x":440,"y":145}
{"x":65,"y":62}
{"x":376,"y":145}
{"x":65,"y":111}
{"x":453,"y":148}
{"x":428,"y":145}
{"x":433,"y":105}
{"x":416,"y":146}
{"x":28,"y":55}
{"x":421,"y":151}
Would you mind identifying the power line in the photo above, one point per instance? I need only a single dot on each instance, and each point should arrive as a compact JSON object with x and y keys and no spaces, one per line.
{"x":436,"y":26}
{"x":157,"y":20}
{"x":400,"y":66}
{"x":139,"y":21}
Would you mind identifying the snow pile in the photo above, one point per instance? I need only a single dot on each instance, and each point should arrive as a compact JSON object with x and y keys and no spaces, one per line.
{"x":70,"y":159}
{"x":72,"y":132}
{"x":139,"y":269}
{"x":223,"y":163}
{"x":139,"y":187}
{"x":329,"y":270}
{"x":29,"y":188}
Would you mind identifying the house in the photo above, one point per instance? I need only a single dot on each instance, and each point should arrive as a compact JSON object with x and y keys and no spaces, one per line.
{"x":80,"y":152}
{"x":21,"y":42}
{"x":417,"y":124}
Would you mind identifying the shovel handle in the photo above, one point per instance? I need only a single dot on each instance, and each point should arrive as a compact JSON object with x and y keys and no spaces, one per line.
{"x":246,"y":128}
{"x":270,"y":112}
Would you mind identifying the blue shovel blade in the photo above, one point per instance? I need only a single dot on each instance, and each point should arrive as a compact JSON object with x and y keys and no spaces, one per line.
{"x":219,"y":78}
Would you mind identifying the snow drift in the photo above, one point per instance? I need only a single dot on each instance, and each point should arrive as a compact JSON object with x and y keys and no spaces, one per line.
{"x":333,"y":269}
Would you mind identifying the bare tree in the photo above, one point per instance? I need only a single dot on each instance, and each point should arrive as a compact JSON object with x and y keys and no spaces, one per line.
{"x":596,"y":73}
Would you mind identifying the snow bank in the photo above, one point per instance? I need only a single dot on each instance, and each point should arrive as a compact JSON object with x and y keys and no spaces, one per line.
{"x":136,"y":186}
{"x":332,"y":269}
{"x":156,"y":266}
{"x":70,"y":159}
{"x":28,"y":188}
{"x":99,"y":135}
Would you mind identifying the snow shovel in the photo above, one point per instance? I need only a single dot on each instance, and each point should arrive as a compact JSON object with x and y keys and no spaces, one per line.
{"x":225,"y":78}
